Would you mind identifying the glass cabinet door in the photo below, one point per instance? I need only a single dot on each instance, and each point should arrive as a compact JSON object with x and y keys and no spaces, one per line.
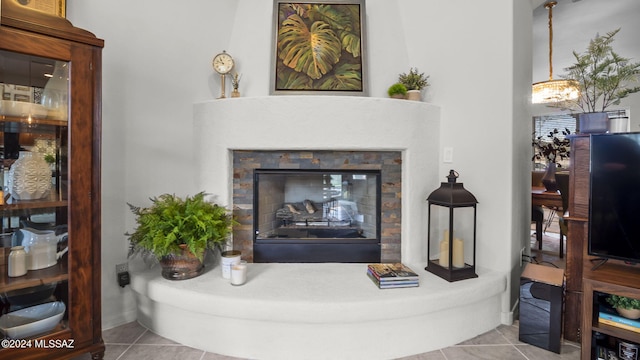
{"x":34,"y":118}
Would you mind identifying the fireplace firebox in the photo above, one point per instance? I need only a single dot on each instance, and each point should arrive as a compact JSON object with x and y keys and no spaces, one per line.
{"x":316,"y":215}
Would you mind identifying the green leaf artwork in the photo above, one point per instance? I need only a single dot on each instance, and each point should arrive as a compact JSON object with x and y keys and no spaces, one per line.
{"x":319,"y":47}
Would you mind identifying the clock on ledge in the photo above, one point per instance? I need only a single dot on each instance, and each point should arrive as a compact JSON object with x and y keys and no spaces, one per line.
{"x":223,"y":64}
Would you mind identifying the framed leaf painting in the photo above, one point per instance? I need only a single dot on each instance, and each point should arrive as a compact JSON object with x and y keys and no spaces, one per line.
{"x":319,"y":48}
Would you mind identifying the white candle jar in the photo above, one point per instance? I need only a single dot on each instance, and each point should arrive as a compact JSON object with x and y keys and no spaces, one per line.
{"x":229,"y":258}
{"x":17,"y":262}
{"x":238,"y":274}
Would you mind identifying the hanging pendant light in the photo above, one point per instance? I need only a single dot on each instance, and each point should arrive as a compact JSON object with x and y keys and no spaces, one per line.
{"x":553,"y":91}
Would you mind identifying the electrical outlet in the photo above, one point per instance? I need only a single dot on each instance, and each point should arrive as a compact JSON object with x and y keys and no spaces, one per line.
{"x":122,"y":272}
{"x":124,"y":267}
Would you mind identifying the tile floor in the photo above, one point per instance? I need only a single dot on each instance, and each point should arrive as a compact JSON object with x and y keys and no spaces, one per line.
{"x":134,"y":342}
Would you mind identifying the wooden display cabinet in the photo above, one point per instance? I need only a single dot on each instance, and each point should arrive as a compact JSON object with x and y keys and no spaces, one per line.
{"x":31,"y":42}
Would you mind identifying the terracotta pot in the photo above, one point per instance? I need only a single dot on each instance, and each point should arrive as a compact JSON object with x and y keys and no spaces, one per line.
{"x":181,"y":266}
{"x":414,"y":95}
{"x":629,"y":313}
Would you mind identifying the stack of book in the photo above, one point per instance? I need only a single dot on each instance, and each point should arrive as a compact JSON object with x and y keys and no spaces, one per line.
{"x":610,"y":316}
{"x":389,"y":276}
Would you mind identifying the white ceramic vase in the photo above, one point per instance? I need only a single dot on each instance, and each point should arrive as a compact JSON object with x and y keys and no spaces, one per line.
{"x":30,"y":177}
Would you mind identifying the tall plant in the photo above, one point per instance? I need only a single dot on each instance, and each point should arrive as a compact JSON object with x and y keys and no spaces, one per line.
{"x":604,"y":77}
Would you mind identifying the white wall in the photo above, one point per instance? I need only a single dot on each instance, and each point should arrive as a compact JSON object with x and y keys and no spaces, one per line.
{"x":521,"y":150}
{"x":480,"y":68}
{"x":156,"y":64}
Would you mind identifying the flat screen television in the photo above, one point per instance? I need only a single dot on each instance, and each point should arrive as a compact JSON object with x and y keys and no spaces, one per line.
{"x":614,"y":202}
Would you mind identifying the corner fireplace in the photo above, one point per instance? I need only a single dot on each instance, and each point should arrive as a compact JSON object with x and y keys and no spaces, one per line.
{"x":316,"y":215}
{"x":400,"y":138}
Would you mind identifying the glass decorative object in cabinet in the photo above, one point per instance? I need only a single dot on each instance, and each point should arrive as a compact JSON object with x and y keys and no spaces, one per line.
{"x":48,"y":148}
{"x":55,"y":96}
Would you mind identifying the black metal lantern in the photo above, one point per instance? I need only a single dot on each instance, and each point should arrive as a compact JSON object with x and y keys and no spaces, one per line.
{"x":451,"y":240}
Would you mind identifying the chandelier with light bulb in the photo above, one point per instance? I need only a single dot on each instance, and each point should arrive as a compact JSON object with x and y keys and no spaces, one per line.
{"x":553,"y":91}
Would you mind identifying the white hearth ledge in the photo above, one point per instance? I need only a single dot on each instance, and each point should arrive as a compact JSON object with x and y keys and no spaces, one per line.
{"x":315,"y":311}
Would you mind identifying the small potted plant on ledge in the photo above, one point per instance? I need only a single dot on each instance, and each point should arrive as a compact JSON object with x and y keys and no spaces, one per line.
{"x":551,"y":148}
{"x":604,"y":78}
{"x":235,"y":82}
{"x":397,"y":91}
{"x":414,"y":81}
{"x":178,"y":231}
{"x":625,"y":306}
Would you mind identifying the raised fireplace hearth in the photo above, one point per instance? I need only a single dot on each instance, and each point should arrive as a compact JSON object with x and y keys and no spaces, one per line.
{"x":315,"y":311}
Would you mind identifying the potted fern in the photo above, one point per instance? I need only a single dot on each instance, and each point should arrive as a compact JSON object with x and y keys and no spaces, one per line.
{"x":604,"y":78}
{"x":178,"y":231}
{"x":625,"y":306}
{"x":414,"y":81}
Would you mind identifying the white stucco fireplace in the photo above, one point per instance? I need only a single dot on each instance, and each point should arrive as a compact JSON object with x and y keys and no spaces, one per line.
{"x":325,"y":123}
{"x":325,"y":310}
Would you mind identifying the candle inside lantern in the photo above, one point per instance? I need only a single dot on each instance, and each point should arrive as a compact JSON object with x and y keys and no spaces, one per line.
{"x":458,"y":253}
{"x":444,"y":249}
{"x":444,"y":253}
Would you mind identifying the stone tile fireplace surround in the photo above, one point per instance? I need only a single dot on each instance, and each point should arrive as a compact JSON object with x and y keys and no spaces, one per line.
{"x":295,"y":311}
{"x":389,"y":163}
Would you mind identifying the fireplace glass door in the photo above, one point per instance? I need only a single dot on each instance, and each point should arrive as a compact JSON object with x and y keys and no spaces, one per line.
{"x":316,"y":216}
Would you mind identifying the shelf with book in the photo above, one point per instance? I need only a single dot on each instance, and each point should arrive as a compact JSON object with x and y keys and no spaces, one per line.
{"x":609,"y":316}
{"x":600,"y":330}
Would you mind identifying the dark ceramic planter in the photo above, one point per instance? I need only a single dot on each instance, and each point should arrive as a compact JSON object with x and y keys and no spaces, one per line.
{"x":181,"y":266}
{"x":593,"y":123}
{"x":549,"y":178}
